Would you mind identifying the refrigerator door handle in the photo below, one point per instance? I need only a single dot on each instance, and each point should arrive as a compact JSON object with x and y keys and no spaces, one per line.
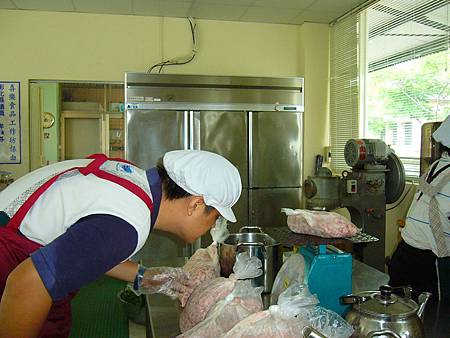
{"x":194,"y":125}
{"x":194,"y":143}
{"x":185,"y":130}
{"x":250,"y":149}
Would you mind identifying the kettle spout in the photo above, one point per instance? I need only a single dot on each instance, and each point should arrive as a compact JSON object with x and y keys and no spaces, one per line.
{"x":423,"y":299}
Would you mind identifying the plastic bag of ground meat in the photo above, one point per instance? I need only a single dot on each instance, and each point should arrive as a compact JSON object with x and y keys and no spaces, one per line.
{"x":280,"y":320}
{"x":271,"y":323}
{"x":204,"y":263}
{"x":319,"y":223}
{"x":210,"y":291}
{"x":239,"y":304}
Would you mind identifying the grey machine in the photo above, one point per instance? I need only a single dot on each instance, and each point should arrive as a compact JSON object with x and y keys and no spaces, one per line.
{"x":376,"y":178}
{"x":256,"y":123}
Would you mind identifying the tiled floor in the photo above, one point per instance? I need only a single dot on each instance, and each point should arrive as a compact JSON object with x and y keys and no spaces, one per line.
{"x":136,"y":330}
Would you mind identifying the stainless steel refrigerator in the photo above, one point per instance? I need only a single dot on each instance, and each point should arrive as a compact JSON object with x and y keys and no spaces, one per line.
{"x":256,"y":123}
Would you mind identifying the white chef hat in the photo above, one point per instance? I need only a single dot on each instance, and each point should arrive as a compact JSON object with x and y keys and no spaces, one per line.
{"x":442,"y":134}
{"x":206,"y":174}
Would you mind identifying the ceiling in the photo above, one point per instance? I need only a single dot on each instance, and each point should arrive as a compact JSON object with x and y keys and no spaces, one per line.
{"x":270,"y":11}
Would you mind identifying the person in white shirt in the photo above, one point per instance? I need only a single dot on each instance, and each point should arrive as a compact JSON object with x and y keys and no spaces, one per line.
{"x":64,"y":225}
{"x":422,"y":258}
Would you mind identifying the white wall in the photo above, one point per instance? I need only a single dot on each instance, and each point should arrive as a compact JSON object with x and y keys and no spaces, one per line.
{"x":72,"y":46}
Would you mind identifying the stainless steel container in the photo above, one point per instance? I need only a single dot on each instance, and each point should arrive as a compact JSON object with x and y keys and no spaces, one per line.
{"x":384,"y":314}
{"x":258,"y":244}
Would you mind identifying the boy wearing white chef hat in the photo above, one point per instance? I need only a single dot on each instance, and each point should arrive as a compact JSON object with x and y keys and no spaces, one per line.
{"x":72,"y":221}
{"x":422,"y":258}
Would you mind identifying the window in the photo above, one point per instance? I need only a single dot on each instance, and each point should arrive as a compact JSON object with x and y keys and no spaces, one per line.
{"x":407,"y":136}
{"x":344,"y":88}
{"x":403,"y":75}
{"x":407,"y":78}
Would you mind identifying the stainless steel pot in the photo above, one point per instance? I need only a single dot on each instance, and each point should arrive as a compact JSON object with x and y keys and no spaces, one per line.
{"x":258,"y":244}
{"x":385,"y":314}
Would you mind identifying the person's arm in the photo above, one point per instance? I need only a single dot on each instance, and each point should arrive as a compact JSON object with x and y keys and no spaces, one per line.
{"x":125,"y":271}
{"x":25,"y":296}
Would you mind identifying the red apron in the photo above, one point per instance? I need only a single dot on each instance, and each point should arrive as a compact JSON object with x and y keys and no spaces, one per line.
{"x":15,"y":248}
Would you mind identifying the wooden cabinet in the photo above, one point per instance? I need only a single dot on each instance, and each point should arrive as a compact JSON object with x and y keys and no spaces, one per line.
{"x":92,"y":120}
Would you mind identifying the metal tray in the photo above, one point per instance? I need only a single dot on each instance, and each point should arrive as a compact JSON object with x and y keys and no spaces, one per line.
{"x":288,"y":238}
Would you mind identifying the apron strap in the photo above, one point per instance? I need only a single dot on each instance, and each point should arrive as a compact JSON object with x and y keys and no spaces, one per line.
{"x":92,"y":168}
{"x":434,"y":214}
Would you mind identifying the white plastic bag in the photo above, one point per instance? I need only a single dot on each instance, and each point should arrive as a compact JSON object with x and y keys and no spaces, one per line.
{"x":327,"y":322}
{"x":296,"y":297}
{"x":219,"y":232}
{"x":319,"y":223}
{"x":280,"y":320}
{"x":271,"y":323}
{"x":210,"y":291}
{"x":297,"y":301}
{"x":292,"y":271}
{"x":239,"y":304}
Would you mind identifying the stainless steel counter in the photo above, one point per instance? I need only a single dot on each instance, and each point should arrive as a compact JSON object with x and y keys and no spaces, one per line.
{"x":163,"y":313}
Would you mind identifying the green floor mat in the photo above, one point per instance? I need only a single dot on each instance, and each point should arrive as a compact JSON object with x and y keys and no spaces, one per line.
{"x":96,"y":312}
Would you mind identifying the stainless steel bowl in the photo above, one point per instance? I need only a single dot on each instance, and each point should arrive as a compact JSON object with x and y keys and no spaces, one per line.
{"x":258,"y":244}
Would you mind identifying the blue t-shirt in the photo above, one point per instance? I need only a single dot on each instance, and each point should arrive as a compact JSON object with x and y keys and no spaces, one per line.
{"x":89,"y":248}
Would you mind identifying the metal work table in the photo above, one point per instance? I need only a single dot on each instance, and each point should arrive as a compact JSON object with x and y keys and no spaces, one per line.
{"x":163,"y":312}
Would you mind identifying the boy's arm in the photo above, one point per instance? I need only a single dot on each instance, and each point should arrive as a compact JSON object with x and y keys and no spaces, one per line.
{"x":25,"y":303}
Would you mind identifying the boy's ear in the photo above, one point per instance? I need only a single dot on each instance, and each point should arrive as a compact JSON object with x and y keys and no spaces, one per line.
{"x":194,"y":203}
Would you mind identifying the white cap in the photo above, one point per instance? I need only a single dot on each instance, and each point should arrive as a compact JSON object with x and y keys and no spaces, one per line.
{"x":206,"y":174}
{"x":442,"y":134}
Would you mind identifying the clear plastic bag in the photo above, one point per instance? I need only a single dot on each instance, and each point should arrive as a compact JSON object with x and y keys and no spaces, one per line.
{"x":319,"y":223}
{"x":210,"y":291}
{"x":327,"y":322}
{"x":297,"y":301}
{"x":292,"y":271}
{"x":296,"y":297}
{"x":273,"y":322}
{"x":239,"y":304}
{"x":219,"y":232}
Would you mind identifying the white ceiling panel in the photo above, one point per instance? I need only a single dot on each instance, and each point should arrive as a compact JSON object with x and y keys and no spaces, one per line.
{"x":226,"y":2}
{"x":298,"y":20}
{"x":316,"y":16}
{"x":45,"y":5}
{"x":103,"y":6}
{"x":268,"y":14}
{"x":297,"y":4}
{"x":217,"y":11}
{"x":271,"y":11}
{"x":333,"y":5}
{"x":161,"y":8}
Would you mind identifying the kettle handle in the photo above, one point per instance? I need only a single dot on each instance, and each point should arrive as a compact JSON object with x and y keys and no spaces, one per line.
{"x":383,"y":332}
{"x":352,"y":299}
{"x":251,"y":227}
{"x":310,"y":332}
